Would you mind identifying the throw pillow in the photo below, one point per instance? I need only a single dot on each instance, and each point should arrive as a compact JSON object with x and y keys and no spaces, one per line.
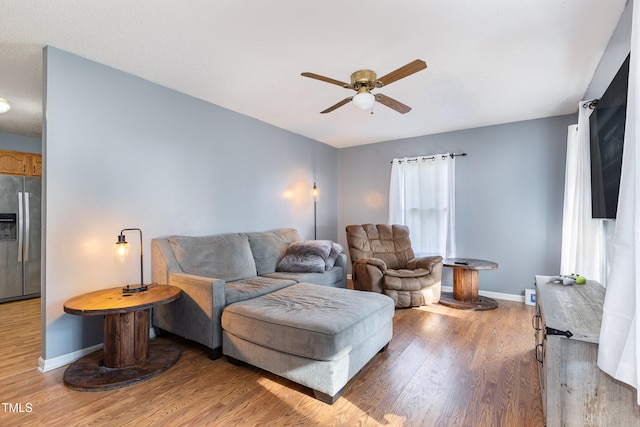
{"x":336,"y":250}
{"x":305,"y":256}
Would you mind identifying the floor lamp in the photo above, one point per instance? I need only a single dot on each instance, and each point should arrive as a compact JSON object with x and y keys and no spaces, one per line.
{"x":315,"y":193}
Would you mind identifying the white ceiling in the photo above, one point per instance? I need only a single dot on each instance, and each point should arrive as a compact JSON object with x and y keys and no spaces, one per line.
{"x":489,"y":62}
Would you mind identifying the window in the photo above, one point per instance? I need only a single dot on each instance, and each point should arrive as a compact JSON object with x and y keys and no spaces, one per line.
{"x":422,"y":197}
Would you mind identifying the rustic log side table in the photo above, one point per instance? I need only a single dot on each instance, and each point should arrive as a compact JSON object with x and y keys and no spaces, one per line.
{"x":465,"y":284}
{"x":128,"y":356}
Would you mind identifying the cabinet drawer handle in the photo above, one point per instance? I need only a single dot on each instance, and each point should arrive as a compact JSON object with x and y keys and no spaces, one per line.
{"x":535,"y":322}
{"x":539,"y":353}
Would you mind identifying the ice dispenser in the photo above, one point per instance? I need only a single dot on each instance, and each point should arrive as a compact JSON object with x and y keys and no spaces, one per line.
{"x":8,"y":226}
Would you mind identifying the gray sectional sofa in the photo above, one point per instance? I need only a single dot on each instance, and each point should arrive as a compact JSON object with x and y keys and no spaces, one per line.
{"x":216,"y":271}
{"x":275,"y":301}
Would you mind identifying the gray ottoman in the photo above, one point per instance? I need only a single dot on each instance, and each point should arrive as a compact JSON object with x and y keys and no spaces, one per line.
{"x":314,"y":335}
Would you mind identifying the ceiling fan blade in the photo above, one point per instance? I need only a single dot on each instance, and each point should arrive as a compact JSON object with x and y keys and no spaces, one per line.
{"x":392,"y":103}
{"x":402,"y":72}
{"x":325,"y":79}
{"x":338,"y":105}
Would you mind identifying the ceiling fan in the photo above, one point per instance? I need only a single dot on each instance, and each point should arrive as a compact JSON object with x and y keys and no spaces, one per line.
{"x":363,"y":81}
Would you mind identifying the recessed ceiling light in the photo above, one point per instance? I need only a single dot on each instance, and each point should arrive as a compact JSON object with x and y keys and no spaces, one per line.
{"x":4,"y":105}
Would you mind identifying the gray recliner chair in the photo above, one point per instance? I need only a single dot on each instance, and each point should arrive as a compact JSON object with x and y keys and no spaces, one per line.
{"x":383,"y":261}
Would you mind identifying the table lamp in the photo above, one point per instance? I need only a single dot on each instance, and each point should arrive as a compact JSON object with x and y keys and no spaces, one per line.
{"x":122,"y":251}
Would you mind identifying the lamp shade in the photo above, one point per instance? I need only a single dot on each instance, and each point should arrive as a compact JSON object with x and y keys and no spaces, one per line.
{"x":364,"y":100}
{"x":121,"y":249}
{"x":4,"y":105}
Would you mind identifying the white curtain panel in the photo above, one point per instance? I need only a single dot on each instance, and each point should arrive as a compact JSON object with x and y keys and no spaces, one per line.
{"x":583,"y":238}
{"x":619,"y":349}
{"x":422,"y":197}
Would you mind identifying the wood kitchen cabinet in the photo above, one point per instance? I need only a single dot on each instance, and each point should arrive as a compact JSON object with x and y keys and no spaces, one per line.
{"x":35,"y":165}
{"x":19,"y":163}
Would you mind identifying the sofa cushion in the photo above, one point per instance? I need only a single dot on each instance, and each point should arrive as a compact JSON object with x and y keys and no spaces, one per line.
{"x":407,"y":283}
{"x":403,"y":273}
{"x":305,"y":256}
{"x":224,"y":256}
{"x":252,"y":287}
{"x":327,"y":278}
{"x":316,"y":322}
{"x":268,"y":247}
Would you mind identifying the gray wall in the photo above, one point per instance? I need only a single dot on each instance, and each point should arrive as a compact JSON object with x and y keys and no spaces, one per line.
{"x":122,"y":152}
{"x":25,"y":144}
{"x":509,"y":194}
{"x":617,"y":50}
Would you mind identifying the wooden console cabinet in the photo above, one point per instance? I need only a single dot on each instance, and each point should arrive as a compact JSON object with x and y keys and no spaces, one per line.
{"x":575,"y":392}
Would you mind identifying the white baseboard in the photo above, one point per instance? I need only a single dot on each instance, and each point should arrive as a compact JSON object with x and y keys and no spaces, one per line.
{"x":45,"y":365}
{"x":494,"y":295}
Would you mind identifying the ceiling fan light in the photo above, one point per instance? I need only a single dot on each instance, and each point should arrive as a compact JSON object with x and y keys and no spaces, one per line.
{"x":364,"y":100}
{"x":4,"y":105}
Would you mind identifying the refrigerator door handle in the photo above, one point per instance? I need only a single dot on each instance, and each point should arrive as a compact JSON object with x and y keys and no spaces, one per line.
{"x":27,"y":227}
{"x":20,"y":225}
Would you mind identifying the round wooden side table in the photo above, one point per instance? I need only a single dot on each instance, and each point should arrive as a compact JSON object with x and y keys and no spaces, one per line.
{"x":465,"y":284}
{"x":128,"y":355}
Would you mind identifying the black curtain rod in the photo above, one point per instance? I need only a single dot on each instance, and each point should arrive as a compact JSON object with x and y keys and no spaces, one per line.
{"x":452,"y":155}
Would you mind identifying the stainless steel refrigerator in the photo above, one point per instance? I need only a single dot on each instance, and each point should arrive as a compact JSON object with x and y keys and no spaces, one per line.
{"x":20,"y":237}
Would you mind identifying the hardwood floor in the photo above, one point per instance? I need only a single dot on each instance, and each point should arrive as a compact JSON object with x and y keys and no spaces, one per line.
{"x":19,"y":338}
{"x":443,"y":367}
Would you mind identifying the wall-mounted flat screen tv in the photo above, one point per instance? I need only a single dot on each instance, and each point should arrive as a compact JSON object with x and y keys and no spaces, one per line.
{"x":606,"y":126}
